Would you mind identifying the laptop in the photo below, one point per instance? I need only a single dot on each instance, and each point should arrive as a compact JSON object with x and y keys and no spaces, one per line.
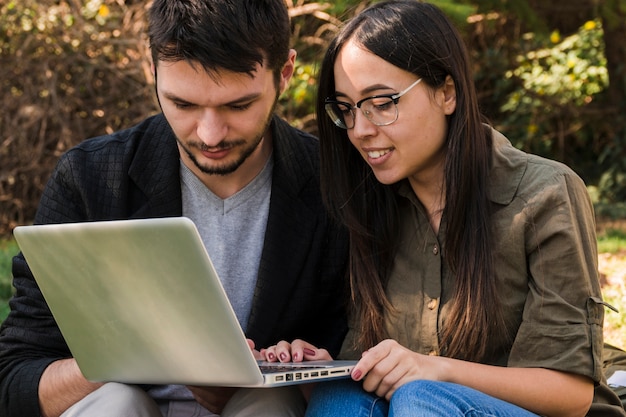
{"x":139,"y":301}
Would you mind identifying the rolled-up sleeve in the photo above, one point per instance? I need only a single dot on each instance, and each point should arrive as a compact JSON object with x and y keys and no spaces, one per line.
{"x":561,"y":326}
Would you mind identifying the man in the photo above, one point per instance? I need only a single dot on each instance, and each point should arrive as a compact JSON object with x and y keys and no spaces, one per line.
{"x":218,"y":155}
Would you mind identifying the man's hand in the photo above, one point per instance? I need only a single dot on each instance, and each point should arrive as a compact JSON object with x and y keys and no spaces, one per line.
{"x":61,"y":386}
{"x":214,"y":399}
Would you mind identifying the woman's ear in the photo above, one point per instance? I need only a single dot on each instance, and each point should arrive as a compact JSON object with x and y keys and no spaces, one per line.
{"x":449,"y":96}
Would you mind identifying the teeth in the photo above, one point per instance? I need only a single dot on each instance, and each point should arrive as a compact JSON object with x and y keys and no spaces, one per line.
{"x":377,"y":154}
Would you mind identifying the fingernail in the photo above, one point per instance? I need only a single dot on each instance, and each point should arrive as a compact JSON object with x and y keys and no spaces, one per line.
{"x":271,"y":356}
{"x":283,"y":357}
{"x":356,"y":374}
{"x":309,"y":352}
{"x":296,"y":355}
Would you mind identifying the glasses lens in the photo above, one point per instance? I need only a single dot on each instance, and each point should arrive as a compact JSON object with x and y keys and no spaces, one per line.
{"x":381,"y":111}
{"x":340,"y":113}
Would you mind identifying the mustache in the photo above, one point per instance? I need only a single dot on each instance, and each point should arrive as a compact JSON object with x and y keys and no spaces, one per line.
{"x":219,"y":147}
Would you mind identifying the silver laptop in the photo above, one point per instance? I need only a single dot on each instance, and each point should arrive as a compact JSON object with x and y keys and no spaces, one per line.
{"x":139,"y":301}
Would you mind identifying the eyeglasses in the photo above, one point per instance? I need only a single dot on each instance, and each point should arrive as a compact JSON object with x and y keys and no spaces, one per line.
{"x":382,"y":110}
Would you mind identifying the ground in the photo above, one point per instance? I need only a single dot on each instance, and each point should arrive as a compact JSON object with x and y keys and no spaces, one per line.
{"x":612,"y":269}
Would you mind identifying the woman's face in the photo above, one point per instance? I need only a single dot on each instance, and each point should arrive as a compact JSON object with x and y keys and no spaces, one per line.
{"x":411,"y":147}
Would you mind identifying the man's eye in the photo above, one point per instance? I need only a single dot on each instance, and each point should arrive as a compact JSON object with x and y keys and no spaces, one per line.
{"x":240,"y":107}
{"x":183,"y":106}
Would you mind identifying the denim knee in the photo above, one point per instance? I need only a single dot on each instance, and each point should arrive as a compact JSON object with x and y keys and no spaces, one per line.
{"x":435,"y":399}
{"x":418,"y":396}
{"x":345,"y":398}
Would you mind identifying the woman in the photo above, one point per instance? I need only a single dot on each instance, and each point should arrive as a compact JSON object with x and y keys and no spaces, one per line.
{"x":473,"y":265}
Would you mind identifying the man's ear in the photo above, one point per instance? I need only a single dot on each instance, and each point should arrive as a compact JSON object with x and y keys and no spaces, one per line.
{"x":449,"y":96}
{"x":287,"y":71}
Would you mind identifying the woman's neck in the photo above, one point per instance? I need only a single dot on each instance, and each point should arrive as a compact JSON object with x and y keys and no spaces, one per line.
{"x":432,"y":196}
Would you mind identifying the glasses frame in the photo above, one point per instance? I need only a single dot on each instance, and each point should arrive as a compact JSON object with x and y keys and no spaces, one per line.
{"x":395,"y":97}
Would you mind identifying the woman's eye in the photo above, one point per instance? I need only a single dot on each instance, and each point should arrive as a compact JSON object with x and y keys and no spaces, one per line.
{"x":382,"y":104}
{"x":346,"y":111}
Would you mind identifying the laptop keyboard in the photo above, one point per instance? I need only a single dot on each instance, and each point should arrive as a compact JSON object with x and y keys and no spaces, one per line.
{"x":269,"y":368}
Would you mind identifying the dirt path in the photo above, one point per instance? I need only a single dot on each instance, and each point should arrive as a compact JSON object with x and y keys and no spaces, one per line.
{"x":612,"y":269}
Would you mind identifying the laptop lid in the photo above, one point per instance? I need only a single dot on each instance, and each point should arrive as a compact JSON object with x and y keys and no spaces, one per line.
{"x":139,"y":301}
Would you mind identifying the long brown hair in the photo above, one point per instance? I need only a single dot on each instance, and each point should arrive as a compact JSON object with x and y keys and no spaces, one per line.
{"x":416,"y":37}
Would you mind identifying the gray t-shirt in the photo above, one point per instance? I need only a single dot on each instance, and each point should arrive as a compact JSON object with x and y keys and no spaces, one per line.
{"x":233,"y":231}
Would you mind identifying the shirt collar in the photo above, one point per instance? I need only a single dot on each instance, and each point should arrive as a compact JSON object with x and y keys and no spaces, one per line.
{"x":508,"y":167}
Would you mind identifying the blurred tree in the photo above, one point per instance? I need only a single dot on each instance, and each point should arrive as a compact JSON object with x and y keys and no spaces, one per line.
{"x":586,"y":39}
{"x":71,"y":69}
{"x":613,"y":181}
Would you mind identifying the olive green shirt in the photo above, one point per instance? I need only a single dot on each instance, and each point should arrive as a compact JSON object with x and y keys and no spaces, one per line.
{"x":545,"y":260}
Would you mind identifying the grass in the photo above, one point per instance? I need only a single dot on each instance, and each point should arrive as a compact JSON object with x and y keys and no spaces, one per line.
{"x":8,"y":248}
{"x":612,"y":241}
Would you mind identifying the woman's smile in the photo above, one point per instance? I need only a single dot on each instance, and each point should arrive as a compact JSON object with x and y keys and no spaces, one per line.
{"x":378,"y":156}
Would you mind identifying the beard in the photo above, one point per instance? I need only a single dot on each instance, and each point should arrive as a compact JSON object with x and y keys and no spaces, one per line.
{"x":225,"y":168}
{"x":246,"y":149}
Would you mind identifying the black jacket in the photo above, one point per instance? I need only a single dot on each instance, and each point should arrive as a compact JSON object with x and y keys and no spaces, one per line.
{"x":135,"y":174}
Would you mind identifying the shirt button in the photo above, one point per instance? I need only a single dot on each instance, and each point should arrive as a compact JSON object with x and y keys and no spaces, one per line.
{"x":432,"y":304}
{"x":435,"y":250}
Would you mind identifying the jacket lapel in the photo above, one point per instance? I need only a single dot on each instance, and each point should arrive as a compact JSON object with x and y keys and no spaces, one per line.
{"x":291,"y":223}
{"x":156,"y":173}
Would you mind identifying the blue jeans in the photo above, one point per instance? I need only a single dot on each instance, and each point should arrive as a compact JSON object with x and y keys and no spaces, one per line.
{"x":418,"y":398}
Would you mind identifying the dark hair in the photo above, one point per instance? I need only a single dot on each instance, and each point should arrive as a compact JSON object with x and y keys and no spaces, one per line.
{"x":418,"y":38}
{"x":221,"y":34}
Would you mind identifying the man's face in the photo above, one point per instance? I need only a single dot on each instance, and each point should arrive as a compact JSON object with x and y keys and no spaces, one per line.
{"x":220,"y":120}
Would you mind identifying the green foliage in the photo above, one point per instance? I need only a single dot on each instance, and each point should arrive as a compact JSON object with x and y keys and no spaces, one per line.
{"x":70,"y":70}
{"x":612,"y":241}
{"x":519,"y":11}
{"x":572,"y":71}
{"x":613,"y":12}
{"x":8,"y":249}
{"x":314,"y":24}
{"x":298,"y":102}
{"x":344,"y":9}
{"x":553,"y":84}
{"x":77,"y":69}
{"x":613,"y":179}
{"x":458,"y":12}
{"x":609,"y":211}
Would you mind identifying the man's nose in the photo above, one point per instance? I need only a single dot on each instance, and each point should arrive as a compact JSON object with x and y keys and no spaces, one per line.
{"x":212,"y":127}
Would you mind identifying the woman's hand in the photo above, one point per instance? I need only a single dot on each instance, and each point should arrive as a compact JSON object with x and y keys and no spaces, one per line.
{"x":256,"y":353}
{"x":388,"y":365}
{"x":296,"y":351}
